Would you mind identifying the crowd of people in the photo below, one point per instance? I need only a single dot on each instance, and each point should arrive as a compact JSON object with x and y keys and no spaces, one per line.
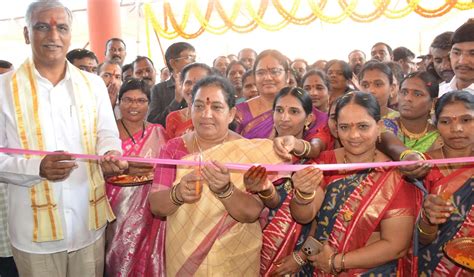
{"x":66,"y":216}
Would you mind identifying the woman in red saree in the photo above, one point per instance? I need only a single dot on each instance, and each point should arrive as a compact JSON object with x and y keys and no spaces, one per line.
{"x":447,"y":210}
{"x":179,"y":122}
{"x":212,"y":222}
{"x":135,"y":239}
{"x":364,"y":217}
{"x":292,"y":112}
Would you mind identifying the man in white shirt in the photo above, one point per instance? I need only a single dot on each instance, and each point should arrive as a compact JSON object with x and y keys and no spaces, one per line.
{"x":57,"y":207}
{"x":462,"y":60}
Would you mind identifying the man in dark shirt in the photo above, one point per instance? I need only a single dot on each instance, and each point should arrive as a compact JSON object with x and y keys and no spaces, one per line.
{"x":164,"y":97}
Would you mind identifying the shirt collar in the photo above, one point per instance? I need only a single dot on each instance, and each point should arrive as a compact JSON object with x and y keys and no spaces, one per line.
{"x":67,"y":75}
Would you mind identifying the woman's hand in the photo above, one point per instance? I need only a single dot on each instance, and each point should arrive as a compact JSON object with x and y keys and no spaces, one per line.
{"x":436,"y":209}
{"x":256,"y":180}
{"x":284,"y":266}
{"x":321,"y":260}
{"x":112,"y":166}
{"x":217,"y":176}
{"x":307,"y":180}
{"x":140,"y":169}
{"x":283,"y":146}
{"x":189,"y":190}
{"x":417,"y":170}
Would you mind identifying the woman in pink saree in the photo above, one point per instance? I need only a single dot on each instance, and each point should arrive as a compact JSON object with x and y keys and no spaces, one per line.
{"x":212,"y":226}
{"x":135,"y":240}
{"x":254,"y":118}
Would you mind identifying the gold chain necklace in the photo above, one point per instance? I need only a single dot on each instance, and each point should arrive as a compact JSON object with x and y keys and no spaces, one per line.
{"x":411,"y":135}
{"x":198,"y":146}
{"x":346,"y":160}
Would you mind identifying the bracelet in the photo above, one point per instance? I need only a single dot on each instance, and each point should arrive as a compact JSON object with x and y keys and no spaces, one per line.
{"x":225,"y":189}
{"x":299,"y":202}
{"x":343,"y":266}
{"x":227,"y":193}
{"x":174,"y":197}
{"x":267,"y":196}
{"x":298,"y":259}
{"x":305,"y":149}
{"x":332,"y":267}
{"x":308,"y":148}
{"x":410,"y":151}
{"x":334,"y":262}
{"x":299,"y":194}
{"x":425,"y":233}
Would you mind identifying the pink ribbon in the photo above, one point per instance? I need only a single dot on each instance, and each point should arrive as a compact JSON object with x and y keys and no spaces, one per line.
{"x":237,"y":166}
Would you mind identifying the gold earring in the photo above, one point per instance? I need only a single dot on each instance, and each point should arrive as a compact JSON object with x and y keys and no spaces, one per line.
{"x":306,"y":126}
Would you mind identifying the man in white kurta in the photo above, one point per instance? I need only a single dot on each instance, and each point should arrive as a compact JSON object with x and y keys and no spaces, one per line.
{"x":75,"y":247}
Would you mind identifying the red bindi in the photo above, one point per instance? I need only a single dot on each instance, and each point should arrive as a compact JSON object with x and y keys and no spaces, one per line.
{"x":208,"y":101}
{"x":52,"y":22}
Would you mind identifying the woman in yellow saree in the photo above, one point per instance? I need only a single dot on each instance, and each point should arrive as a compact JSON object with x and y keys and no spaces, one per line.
{"x":212,"y":222}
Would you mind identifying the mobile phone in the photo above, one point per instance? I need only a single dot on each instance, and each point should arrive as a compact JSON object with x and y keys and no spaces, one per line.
{"x":312,"y":246}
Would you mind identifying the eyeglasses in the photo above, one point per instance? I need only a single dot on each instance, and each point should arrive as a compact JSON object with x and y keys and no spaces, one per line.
{"x":274,"y":72}
{"x":138,"y":101}
{"x":188,"y":58}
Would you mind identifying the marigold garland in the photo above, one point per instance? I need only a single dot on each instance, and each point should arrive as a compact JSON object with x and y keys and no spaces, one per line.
{"x":169,"y":28}
{"x":292,"y":18}
{"x":395,"y":14}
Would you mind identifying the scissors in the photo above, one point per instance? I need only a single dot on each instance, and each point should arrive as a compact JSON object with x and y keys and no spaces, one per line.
{"x":198,"y":185}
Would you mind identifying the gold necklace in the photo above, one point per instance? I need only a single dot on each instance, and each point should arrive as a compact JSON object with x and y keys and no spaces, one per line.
{"x":346,"y":160}
{"x":198,"y":146}
{"x":411,"y":135}
{"x":448,"y":167}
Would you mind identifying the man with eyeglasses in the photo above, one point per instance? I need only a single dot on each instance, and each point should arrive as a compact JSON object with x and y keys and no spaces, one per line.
{"x":165,"y":97}
{"x":115,"y":49}
{"x":83,"y":59}
{"x":462,"y":60}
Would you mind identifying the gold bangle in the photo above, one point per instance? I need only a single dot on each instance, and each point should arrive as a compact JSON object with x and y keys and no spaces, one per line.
{"x":174,"y":197}
{"x":332,"y":266}
{"x":308,"y":144}
{"x":267,"y":196}
{"x":410,"y":151}
{"x":302,"y":152}
{"x":227,"y":193}
{"x":343,"y":266}
{"x":425,"y":233}
{"x":301,"y":196}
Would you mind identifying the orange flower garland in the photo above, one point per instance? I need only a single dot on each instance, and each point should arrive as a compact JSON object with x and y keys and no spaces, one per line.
{"x":169,"y":28}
